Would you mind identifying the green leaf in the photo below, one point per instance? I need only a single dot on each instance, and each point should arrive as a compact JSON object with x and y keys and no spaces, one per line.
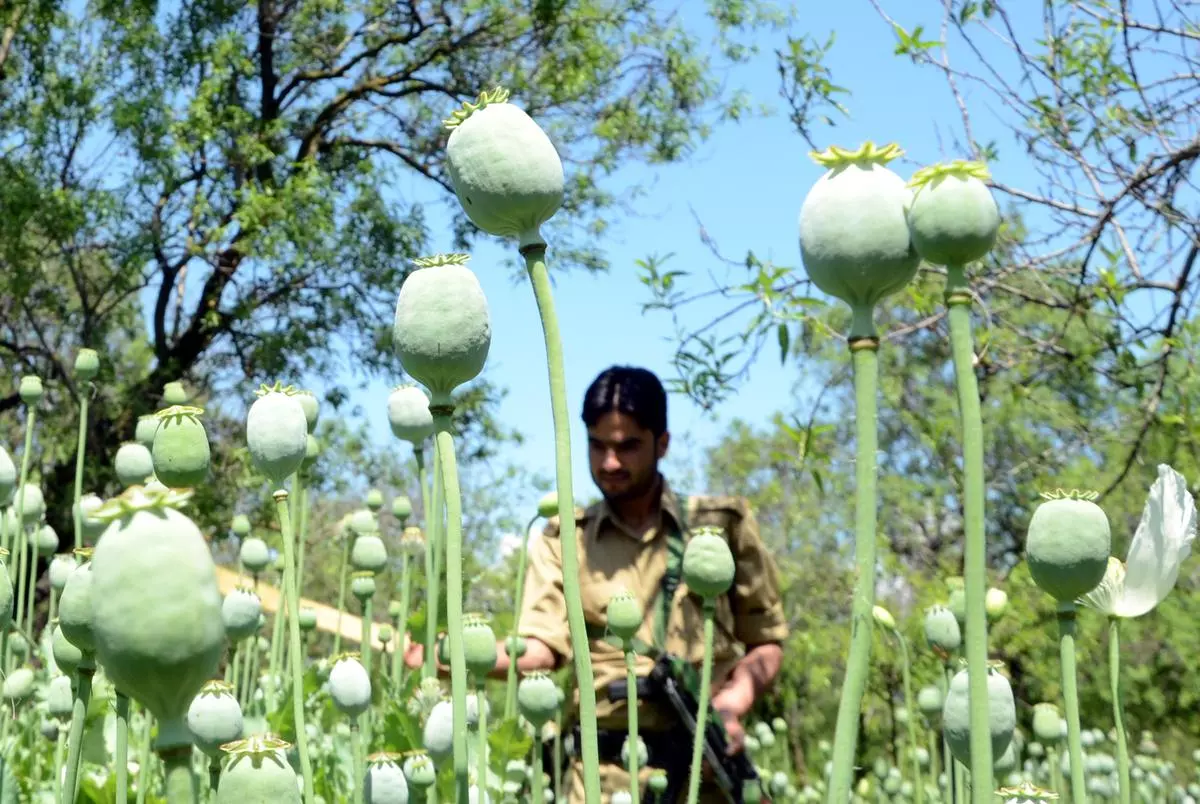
{"x":784,"y":342}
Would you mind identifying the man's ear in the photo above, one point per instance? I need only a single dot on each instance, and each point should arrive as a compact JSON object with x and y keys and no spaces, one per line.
{"x":664,"y":441}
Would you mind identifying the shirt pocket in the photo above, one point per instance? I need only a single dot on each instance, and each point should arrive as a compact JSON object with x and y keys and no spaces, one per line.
{"x":686,"y":634}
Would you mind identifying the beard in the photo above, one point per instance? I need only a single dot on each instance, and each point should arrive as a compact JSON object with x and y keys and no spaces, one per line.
{"x":633,"y":489}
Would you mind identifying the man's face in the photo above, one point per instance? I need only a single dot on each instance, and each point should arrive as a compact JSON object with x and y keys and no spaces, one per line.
{"x":624,"y":456}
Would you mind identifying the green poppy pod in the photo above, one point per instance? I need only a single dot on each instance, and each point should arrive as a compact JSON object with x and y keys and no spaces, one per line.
{"x":779,"y":726}
{"x":31,"y":390}
{"x":180,"y":450}
{"x":214,"y":718}
{"x":47,"y":541}
{"x":394,"y":608}
{"x":258,"y":771}
{"x":29,"y":504}
{"x":1002,"y":715}
{"x":60,"y":697}
{"x":516,"y":771}
{"x":1067,"y":545}
{"x":751,"y":744}
{"x":307,"y":620}
{"x":8,"y":477}
{"x":708,"y":565}
{"x":87,"y":365}
{"x":349,"y":686}
{"x":75,"y":608}
{"x":624,"y":614}
{"x":953,"y":219}
{"x":254,"y":555}
{"x":504,"y":169}
{"x":643,"y":755}
{"x":1006,"y":761}
{"x":61,"y":567}
{"x":277,"y":432}
{"x":362,"y":585}
{"x":312,"y":451}
{"x":385,"y":782}
{"x":368,"y":553}
{"x":1047,"y":723}
{"x":957,"y":603}
{"x":442,"y":330}
{"x":385,"y":633}
{"x":402,"y":508}
{"x":419,"y":770}
{"x":363,"y":521}
{"x":412,"y":541}
{"x":174,"y":394}
{"x":657,"y":783}
{"x":408,"y":414}
{"x":134,"y":464}
{"x":995,"y":602}
{"x":312,"y":408}
{"x":438,"y":734}
{"x":147,"y":426}
{"x":92,"y":528}
{"x":515,"y":646}
{"x":241,"y":610}
{"x":854,"y":237}
{"x":548,"y":505}
{"x":156,"y":606}
{"x":942,"y":630}
{"x":67,"y":656}
{"x":929,"y":700}
{"x":374,"y":500}
{"x":18,"y":685}
{"x":479,"y":646}
{"x":18,"y":645}
{"x":621,"y":797}
{"x":240,"y":526}
{"x":537,"y":697}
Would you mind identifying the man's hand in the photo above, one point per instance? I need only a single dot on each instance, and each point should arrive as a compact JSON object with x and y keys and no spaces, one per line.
{"x":732,"y":703}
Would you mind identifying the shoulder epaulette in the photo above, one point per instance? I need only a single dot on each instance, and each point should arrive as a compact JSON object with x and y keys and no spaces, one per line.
{"x":552,"y":524}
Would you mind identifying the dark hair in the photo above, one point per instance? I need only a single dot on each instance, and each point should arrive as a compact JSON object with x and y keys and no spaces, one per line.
{"x":633,"y":391}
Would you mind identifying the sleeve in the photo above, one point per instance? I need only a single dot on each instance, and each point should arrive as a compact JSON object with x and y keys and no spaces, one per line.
{"x":543,"y":606}
{"x":758,"y":612}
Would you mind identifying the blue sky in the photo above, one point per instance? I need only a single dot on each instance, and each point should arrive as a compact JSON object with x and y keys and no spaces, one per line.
{"x":746,"y":184}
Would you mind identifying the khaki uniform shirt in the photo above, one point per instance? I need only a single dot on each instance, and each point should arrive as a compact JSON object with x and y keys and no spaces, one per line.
{"x":612,"y":557}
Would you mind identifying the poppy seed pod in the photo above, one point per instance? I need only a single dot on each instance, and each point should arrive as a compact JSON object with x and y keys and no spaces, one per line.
{"x":362,"y":585}
{"x":368,"y":553}
{"x":75,"y":607}
{"x":214,"y":718}
{"x":61,"y":567}
{"x":401,"y":508}
{"x":442,"y":329}
{"x":929,"y":700}
{"x":133,"y":463}
{"x":18,"y":685}
{"x":277,"y":432}
{"x":60,"y":697}
{"x":438,"y":734}
{"x":625,"y":616}
{"x":174,"y":394}
{"x":180,"y":451}
{"x":47,"y":541}
{"x":384,"y":782}
{"x":385,"y":633}
{"x":92,"y":527}
{"x":363,"y":522}
{"x":537,"y":697}
{"x":87,"y":365}
{"x":515,"y":646}
{"x":479,"y":646}
{"x":349,"y":686}
{"x":240,"y":611}
{"x":156,"y":607}
{"x":942,"y":631}
{"x":312,"y":451}
{"x":1002,"y":715}
{"x":254,"y":555}
{"x":307,"y":619}
{"x":1047,"y":723}
{"x":312,"y":408}
{"x":32,"y":505}
{"x":953,"y":219}
{"x":8,"y":477}
{"x":548,"y":505}
{"x":1067,"y":545}
{"x":957,"y":603}
{"x":240,"y":526}
{"x":504,"y":169}
{"x":67,"y":656}
{"x":412,"y":541}
{"x":995,"y":602}
{"x":708,"y":565}
{"x":147,"y":426}
{"x":419,"y":770}
{"x":258,"y":770}
{"x":31,"y":390}
{"x":408,"y":414}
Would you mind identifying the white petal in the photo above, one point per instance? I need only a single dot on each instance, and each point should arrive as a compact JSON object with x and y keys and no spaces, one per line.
{"x":1107,"y":596}
{"x":1162,"y":541}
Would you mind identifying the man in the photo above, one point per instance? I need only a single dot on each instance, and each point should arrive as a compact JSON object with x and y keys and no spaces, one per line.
{"x":623,"y":543}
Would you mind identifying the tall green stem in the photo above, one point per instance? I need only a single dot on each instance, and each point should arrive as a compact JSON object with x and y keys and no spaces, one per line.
{"x":337,"y":637}
{"x":83,"y":694}
{"x":845,"y":741}
{"x":368,"y":620}
{"x":911,"y":726}
{"x":510,"y":690}
{"x":402,"y":618}
{"x":80,"y":448}
{"x":356,"y":749}
{"x":454,"y":593}
{"x":181,"y":784}
{"x":429,"y":668}
{"x":297,"y":658}
{"x":1114,"y":681}
{"x":26,"y":454}
{"x":710,"y":614}
{"x":958,"y":300}
{"x":535,"y":266}
{"x":481,"y":737}
{"x":535,"y":778}
{"x":631,"y":719}
{"x":121,"y":750}
{"x":436,"y":534}
{"x":144,"y":757}
{"x":301,"y":533}
{"x":1066,"y":652}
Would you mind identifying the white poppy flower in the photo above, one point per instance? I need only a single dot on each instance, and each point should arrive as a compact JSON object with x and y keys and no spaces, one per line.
{"x":1162,"y":541}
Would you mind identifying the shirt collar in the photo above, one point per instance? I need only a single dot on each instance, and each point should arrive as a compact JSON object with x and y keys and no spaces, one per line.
{"x":668,"y":504}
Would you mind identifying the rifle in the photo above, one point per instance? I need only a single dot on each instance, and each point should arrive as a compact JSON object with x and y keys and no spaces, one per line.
{"x":676,"y":682}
